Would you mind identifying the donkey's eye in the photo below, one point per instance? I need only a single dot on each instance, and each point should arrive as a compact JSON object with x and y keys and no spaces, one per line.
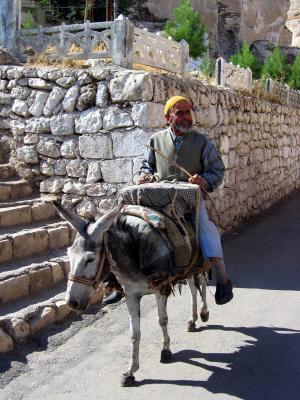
{"x":90,"y":257}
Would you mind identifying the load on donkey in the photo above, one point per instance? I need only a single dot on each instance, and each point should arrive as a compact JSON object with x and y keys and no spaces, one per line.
{"x":149,"y":242}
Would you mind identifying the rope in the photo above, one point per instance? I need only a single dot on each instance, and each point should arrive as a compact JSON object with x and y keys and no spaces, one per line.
{"x":188,"y":174}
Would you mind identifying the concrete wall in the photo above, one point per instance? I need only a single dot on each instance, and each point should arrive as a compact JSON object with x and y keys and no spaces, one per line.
{"x":81,"y":134}
{"x":10,"y":14}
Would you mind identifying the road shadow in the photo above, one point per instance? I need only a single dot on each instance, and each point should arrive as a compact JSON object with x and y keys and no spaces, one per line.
{"x":264,"y":251}
{"x":266,"y":366}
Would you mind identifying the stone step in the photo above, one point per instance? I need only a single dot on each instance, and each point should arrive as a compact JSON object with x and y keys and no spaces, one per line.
{"x":26,"y":200}
{"x":14,"y":189}
{"x":29,"y":278}
{"x":26,"y":214}
{"x":26,"y":318}
{"x":6,"y":171}
{"x":51,"y":255}
{"x":19,"y":242}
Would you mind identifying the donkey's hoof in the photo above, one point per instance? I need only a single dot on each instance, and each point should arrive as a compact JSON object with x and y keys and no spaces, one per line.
{"x":127,"y":380}
{"x":191,"y":326}
{"x":204,"y":316}
{"x":165,"y":356}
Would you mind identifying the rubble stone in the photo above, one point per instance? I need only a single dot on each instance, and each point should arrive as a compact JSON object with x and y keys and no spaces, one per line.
{"x":62,"y":125}
{"x":97,"y":147}
{"x":39,"y":103}
{"x":40,"y":84}
{"x":70,"y":99}
{"x":117,"y":171}
{"x":94,"y":172}
{"x":131,"y":87}
{"x":69,"y":148}
{"x":102,"y":95}
{"x":38,"y":125}
{"x":90,"y":121}
{"x":48,"y":148}
{"x":149,"y":115}
{"x":115,"y":118}
{"x":6,"y":342}
{"x":76,"y":169}
{"x":28,"y":154}
{"x":55,"y":97}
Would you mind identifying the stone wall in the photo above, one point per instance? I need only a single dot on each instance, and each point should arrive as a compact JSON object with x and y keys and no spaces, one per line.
{"x":81,"y":134}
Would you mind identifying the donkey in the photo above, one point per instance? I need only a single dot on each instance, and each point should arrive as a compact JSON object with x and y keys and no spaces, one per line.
{"x":111,"y":245}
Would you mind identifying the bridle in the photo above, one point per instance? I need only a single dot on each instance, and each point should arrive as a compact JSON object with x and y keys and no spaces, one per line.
{"x":106,"y":254}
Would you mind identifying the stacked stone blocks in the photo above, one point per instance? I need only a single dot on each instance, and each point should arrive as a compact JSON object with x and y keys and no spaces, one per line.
{"x":33,"y":264}
{"x":81,"y":134}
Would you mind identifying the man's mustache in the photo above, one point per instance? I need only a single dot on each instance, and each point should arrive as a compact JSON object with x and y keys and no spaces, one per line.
{"x":183,"y":128}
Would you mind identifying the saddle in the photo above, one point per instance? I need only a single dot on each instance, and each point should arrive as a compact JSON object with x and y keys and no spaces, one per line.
{"x":173,"y":210}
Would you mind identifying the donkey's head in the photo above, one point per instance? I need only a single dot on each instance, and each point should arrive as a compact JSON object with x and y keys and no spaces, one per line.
{"x":85,"y":254}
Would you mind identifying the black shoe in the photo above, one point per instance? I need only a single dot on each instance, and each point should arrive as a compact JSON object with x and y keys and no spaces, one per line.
{"x":223,"y":292}
{"x":114,"y":297}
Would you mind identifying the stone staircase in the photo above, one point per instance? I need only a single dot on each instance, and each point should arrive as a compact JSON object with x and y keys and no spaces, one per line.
{"x":33,"y":261}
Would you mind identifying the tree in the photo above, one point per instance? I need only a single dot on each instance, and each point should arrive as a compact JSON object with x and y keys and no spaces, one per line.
{"x":51,"y":8}
{"x":207,"y":67}
{"x":294,"y":75}
{"x":245,"y":59}
{"x":29,"y":22}
{"x":72,"y":11}
{"x":187,"y":24}
{"x":275,"y":66}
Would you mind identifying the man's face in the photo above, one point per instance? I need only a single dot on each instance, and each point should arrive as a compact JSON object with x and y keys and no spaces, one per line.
{"x":180,"y":118}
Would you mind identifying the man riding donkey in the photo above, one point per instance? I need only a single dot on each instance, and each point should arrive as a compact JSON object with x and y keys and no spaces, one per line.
{"x":195,"y":153}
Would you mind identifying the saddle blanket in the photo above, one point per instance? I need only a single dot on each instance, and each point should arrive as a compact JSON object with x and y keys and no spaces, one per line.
{"x":181,"y":239}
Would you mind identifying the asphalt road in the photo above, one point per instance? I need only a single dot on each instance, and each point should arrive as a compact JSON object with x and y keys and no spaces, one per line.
{"x":249,"y":349}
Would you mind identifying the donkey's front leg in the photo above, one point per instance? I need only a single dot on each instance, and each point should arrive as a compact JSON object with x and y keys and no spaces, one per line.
{"x":163,"y":322}
{"x":133,"y":304}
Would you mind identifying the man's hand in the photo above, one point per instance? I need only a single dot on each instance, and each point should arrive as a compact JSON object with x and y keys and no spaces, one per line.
{"x":145,"y":178}
{"x":198,"y":180}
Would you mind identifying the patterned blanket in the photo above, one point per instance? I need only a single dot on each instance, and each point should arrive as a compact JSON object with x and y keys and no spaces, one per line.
{"x":172,"y":208}
{"x":171,"y":198}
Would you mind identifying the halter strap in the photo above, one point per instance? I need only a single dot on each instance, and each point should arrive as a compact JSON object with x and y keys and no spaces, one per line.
{"x":95,"y":282}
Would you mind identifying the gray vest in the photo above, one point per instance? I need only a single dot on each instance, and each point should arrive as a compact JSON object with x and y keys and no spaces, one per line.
{"x":187,"y":156}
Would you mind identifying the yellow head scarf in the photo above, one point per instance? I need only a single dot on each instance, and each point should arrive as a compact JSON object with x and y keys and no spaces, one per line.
{"x":172,"y":101}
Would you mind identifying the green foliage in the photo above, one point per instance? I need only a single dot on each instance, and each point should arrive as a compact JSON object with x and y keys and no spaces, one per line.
{"x":130,"y":7}
{"x":275,"y":66}
{"x":74,"y":15}
{"x":294,"y":75}
{"x":52,"y":10}
{"x":29,"y":22}
{"x":187,"y":24}
{"x":207,"y":67}
{"x":245,"y":59}
{"x":58,"y":11}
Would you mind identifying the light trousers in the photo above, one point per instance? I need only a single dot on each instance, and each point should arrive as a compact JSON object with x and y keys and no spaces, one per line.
{"x":209,"y":236}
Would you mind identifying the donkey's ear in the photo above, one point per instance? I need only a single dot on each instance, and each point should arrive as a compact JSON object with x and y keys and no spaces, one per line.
{"x":77,"y":222}
{"x":104,"y":223}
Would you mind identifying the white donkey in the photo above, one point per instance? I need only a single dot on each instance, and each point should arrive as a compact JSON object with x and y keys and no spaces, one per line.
{"x":111,"y":244}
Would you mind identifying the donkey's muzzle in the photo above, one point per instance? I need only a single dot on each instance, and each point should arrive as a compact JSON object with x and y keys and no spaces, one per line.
{"x":77,"y":306}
